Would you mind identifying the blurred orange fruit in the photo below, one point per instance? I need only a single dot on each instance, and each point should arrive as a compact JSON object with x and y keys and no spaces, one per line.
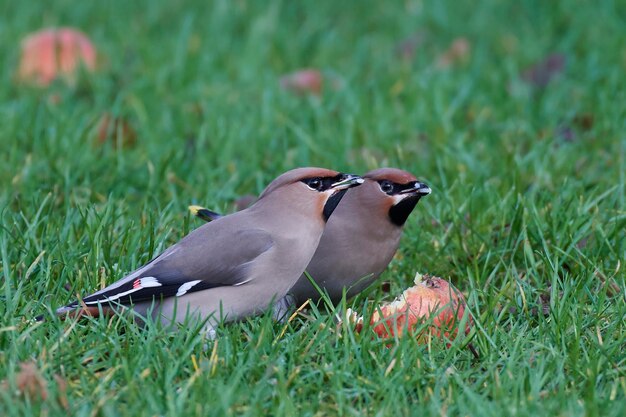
{"x":304,"y":81}
{"x":55,"y":53}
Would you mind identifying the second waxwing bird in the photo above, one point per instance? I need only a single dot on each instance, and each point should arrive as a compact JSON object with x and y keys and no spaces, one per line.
{"x":370,"y":220}
{"x":360,"y":239}
{"x":238,"y":265}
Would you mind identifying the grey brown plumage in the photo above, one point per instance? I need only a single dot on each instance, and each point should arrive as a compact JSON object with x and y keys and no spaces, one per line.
{"x":361,"y":238}
{"x":237,"y":265}
{"x":363,"y":235}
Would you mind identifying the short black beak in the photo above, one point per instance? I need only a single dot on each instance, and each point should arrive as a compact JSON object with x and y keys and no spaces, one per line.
{"x":418,"y":188}
{"x":347,"y":181}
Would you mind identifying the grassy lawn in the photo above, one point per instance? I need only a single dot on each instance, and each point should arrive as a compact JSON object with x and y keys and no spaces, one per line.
{"x":520,"y":133}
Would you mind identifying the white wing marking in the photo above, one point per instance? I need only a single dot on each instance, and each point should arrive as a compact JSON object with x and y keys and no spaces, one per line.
{"x":182,"y":290}
{"x":145,"y":282}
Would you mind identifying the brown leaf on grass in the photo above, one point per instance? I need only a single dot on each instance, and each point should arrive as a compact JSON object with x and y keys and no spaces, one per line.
{"x":540,"y":74}
{"x":580,"y":123}
{"x":32,"y":385}
{"x":543,"y":305}
{"x":612,"y":288}
{"x":584,"y":121}
{"x":117,"y":130}
{"x":62,"y":391}
{"x":29,"y":382}
{"x":457,"y":53}
{"x":304,"y":81}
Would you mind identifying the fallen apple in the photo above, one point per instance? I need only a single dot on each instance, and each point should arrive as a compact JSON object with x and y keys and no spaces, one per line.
{"x":431,"y":300}
{"x":55,"y":53}
{"x":305,"y":81}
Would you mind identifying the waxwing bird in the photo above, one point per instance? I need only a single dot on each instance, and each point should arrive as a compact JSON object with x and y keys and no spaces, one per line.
{"x":360,"y":239}
{"x":370,"y":221}
{"x":237,"y":265}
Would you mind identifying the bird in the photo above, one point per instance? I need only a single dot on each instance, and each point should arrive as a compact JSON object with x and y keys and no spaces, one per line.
{"x":237,"y":265}
{"x":358,"y":242}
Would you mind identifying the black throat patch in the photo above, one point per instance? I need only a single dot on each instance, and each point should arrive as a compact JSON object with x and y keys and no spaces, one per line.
{"x":331,"y":203}
{"x":401,"y":211}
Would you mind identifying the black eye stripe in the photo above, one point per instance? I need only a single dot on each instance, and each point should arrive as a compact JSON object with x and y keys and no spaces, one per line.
{"x":314,"y":183}
{"x":393,"y":188}
{"x":321,"y":183}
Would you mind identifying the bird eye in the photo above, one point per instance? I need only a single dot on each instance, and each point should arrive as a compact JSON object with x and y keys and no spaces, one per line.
{"x":315,"y":183}
{"x":386,"y":187}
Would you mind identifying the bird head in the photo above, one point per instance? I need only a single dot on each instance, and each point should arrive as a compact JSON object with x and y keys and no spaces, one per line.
{"x":396,"y":192}
{"x":319,"y":188}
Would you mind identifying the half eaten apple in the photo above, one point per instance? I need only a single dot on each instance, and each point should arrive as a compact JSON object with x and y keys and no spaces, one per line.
{"x":432,"y":307}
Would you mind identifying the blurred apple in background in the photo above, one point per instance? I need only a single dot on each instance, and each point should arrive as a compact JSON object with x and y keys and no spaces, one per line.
{"x":432,"y":300}
{"x":304,"y":81}
{"x":55,"y":53}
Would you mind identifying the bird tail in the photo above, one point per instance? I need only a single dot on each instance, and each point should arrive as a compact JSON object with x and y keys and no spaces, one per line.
{"x":204,"y":213}
{"x":61,"y":311}
{"x":75,"y":310}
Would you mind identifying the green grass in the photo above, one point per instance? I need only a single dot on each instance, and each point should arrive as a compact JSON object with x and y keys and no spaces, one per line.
{"x":520,"y":218}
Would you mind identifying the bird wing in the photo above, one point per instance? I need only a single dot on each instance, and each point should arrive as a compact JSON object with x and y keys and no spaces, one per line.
{"x":206,"y":258}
